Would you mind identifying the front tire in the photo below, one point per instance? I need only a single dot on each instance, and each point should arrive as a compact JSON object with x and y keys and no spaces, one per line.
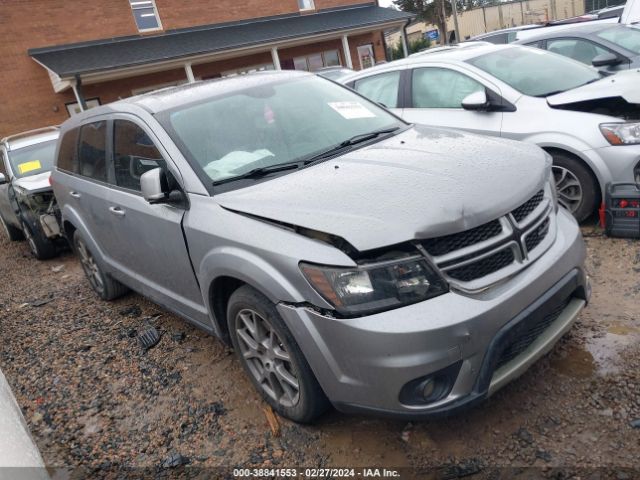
{"x":272,"y":358}
{"x":41,"y":247}
{"x":13,"y":234}
{"x":577,"y":190}
{"x":101,"y":282}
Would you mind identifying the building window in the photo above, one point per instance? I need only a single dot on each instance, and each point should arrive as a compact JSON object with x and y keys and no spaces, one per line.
{"x":317,"y":61}
{"x":306,"y":5}
{"x":145,"y":14}
{"x":73,"y":108}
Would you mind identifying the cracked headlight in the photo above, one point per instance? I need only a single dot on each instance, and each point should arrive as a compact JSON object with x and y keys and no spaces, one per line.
{"x":377,"y":286}
{"x":627,"y":133}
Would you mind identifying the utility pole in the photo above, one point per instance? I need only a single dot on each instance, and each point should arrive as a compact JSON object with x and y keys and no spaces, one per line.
{"x":454,"y":4}
{"x":445,"y":34}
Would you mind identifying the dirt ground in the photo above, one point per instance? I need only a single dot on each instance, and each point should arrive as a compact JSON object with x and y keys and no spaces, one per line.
{"x":94,"y":399}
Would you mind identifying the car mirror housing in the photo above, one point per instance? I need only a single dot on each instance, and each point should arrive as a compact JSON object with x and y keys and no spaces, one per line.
{"x":3,"y":179}
{"x":154,"y":186}
{"x":605,"y":60}
{"x":476,"y":101}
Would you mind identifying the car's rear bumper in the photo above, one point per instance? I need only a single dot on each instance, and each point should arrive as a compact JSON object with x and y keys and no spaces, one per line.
{"x":364,"y":364}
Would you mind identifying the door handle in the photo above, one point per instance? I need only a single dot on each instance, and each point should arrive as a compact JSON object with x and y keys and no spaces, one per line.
{"x":75,"y":194}
{"x":117,"y":211}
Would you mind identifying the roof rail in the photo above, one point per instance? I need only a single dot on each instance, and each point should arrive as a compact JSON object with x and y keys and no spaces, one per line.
{"x":29,"y":133}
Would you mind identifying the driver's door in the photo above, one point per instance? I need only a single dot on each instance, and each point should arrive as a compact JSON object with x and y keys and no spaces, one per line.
{"x":435,"y":98}
{"x":147,"y":243}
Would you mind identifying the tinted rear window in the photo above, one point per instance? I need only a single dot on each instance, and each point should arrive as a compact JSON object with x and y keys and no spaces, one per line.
{"x":67,"y":155}
{"x":92,"y":155}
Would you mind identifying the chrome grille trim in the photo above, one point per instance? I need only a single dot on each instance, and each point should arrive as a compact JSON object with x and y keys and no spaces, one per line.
{"x":514,"y":236}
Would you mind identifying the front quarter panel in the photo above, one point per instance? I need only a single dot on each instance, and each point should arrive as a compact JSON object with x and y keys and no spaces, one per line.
{"x":266,"y":256}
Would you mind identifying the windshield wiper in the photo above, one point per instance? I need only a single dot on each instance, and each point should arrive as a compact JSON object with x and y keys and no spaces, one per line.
{"x":264,"y":171}
{"x":362,"y":137}
{"x":572,"y":88}
{"x":261,"y":172}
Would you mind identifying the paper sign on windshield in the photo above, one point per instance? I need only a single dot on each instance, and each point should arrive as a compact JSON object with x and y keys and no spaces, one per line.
{"x":29,"y":166}
{"x":351,"y":110}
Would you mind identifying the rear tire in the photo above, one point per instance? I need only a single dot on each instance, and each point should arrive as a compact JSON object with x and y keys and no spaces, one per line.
{"x":101,"y":282}
{"x":578,"y":191}
{"x":41,"y":247}
{"x":271,"y":357}
{"x":13,"y":234}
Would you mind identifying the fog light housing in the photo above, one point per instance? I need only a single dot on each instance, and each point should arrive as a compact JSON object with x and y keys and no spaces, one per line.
{"x":430,"y":388}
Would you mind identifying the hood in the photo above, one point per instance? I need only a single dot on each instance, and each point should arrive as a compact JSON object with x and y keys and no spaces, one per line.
{"x":34,"y":183}
{"x":623,"y":84}
{"x":422,"y":183}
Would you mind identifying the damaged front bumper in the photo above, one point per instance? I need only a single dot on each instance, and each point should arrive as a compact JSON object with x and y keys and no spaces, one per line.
{"x":467,"y":345}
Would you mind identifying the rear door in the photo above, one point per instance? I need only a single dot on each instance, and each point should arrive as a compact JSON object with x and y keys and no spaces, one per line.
{"x":146,"y":242}
{"x":435,"y":95}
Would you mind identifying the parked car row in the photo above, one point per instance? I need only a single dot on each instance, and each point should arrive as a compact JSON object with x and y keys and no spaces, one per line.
{"x":588,"y":122}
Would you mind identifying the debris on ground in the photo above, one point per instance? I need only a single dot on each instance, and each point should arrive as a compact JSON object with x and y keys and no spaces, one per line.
{"x":149,"y":338}
{"x":272,"y":420}
{"x":131,"y":311}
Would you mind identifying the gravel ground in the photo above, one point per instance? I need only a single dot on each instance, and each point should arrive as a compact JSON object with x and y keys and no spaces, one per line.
{"x":93,"y":398}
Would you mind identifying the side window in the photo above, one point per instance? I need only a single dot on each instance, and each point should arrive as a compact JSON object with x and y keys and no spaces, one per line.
{"x":441,"y":88}
{"x":133,"y":154}
{"x":67,"y":156}
{"x":581,"y":50}
{"x":92,"y":155}
{"x":498,"y":38}
{"x":381,"y":88}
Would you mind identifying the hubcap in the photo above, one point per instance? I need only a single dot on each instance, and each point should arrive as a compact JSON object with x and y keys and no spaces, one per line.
{"x":90,"y":267}
{"x":4,"y":226}
{"x":30,"y":240}
{"x":267,"y":358}
{"x":568,"y":187}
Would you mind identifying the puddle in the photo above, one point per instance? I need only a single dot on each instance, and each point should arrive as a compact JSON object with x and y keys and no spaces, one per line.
{"x":600,"y":355}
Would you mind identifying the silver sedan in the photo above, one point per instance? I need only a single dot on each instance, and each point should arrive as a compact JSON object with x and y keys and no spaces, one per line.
{"x":590,"y":124}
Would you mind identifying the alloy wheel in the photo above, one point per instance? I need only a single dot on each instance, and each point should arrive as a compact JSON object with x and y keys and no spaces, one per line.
{"x":4,"y":227}
{"x":90,"y":267}
{"x":267,"y":357}
{"x":568,"y":187}
{"x":27,"y":234}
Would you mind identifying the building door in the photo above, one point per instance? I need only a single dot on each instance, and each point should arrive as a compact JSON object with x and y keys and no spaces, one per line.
{"x":366,"y":56}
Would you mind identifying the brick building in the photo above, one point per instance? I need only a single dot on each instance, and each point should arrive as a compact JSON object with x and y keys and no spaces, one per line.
{"x":61,"y":56}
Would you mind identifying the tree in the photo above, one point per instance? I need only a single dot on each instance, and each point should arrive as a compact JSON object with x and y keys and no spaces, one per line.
{"x":429,"y":11}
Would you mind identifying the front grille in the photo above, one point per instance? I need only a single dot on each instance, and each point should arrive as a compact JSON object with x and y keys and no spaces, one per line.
{"x":520,"y":343}
{"x":524,"y":210}
{"x":466,"y":259}
{"x":483,"y":267}
{"x":450,"y":243}
{"x":535,"y":237}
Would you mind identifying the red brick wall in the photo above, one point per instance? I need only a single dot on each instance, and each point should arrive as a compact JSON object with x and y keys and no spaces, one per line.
{"x":27,"y":99}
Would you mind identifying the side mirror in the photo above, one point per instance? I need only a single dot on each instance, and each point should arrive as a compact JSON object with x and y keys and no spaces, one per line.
{"x":3,"y":179}
{"x":154,"y":186}
{"x":477,"y":101}
{"x":605,"y":60}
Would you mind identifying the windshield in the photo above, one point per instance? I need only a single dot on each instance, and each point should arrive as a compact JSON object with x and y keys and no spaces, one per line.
{"x":271,"y":124}
{"x":535,"y":72}
{"x":335,"y":74}
{"x":625,"y":37}
{"x":34,"y":159}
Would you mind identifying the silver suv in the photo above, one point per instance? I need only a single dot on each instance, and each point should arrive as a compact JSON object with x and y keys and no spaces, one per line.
{"x":27,"y":206}
{"x":348,"y":257}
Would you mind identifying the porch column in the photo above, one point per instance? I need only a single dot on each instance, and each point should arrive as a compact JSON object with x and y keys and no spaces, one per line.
{"x":77,"y":91}
{"x":347,"y":52}
{"x":276,"y":58}
{"x":189,"y":71}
